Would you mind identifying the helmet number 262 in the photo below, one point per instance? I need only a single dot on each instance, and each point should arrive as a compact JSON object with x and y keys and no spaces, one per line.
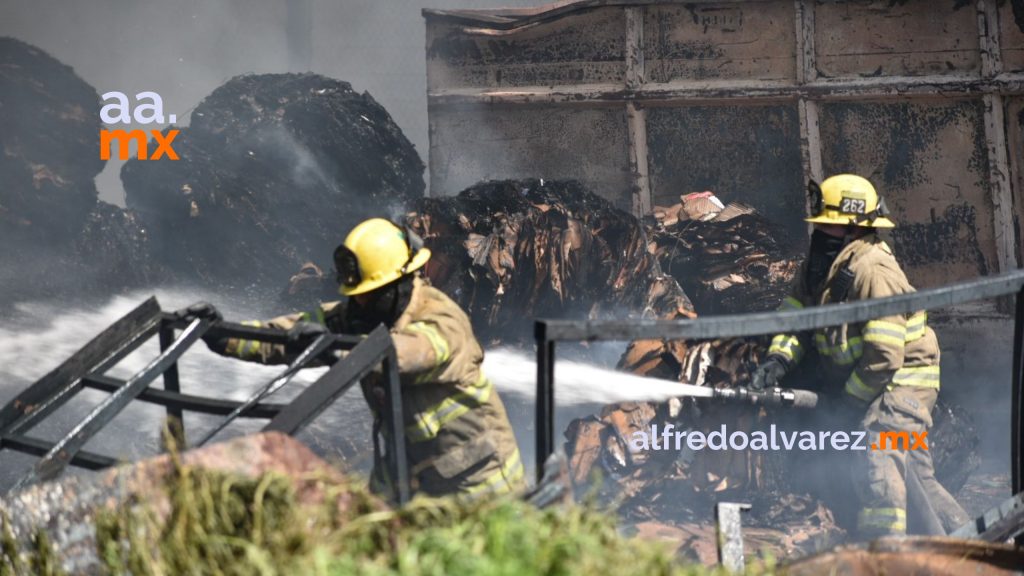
{"x":853,"y":206}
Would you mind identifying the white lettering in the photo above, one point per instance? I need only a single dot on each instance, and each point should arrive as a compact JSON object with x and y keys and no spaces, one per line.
{"x":639,"y":442}
{"x":840,"y":440}
{"x":720,"y":435}
{"x":121,"y":106}
{"x":858,"y":440}
{"x":157,"y":106}
{"x":695,"y":440}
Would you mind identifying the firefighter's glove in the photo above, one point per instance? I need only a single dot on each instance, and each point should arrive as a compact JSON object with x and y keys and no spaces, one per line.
{"x":203,"y":310}
{"x":373,"y":390}
{"x":769,"y":373}
{"x":302,"y":335}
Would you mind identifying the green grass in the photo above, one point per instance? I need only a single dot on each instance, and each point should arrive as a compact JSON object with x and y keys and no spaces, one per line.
{"x":226,"y":525}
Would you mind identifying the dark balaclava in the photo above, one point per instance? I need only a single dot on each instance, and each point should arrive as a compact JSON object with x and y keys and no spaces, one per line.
{"x":824,"y":249}
{"x":385,"y":306}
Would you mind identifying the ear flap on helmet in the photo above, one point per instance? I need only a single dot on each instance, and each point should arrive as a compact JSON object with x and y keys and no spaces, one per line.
{"x":346,"y":266}
{"x":882,"y":209}
{"x":816,"y":197}
{"x":413,"y":242}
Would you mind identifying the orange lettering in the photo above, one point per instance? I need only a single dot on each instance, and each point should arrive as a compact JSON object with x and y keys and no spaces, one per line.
{"x":164,"y":144}
{"x":107,"y":138}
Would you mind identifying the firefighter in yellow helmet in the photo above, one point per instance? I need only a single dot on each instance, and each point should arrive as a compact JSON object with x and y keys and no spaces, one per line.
{"x":887,"y":368}
{"x":459,"y":439}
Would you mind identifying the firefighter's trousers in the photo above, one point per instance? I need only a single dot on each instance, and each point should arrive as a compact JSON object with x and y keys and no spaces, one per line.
{"x":880,"y":474}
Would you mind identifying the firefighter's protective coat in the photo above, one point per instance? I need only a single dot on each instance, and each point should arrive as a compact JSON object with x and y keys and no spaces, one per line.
{"x":890,"y":367}
{"x":459,"y":436}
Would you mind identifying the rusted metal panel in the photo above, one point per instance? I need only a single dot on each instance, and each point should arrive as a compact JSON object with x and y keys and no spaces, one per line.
{"x":715,"y":77}
{"x":1011,"y":33}
{"x":1015,"y":143}
{"x":745,"y":153}
{"x":474,"y":144}
{"x":908,"y":38}
{"x":929,"y":161}
{"x":589,"y":48}
{"x":720,"y":40}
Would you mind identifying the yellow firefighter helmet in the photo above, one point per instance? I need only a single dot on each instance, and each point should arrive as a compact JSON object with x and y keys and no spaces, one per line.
{"x":847,"y":199}
{"x":375,"y":253}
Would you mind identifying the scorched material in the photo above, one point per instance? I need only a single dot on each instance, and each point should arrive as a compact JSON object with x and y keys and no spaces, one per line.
{"x":273,"y":170}
{"x":58,"y":241}
{"x":510,"y":251}
{"x":728,"y":259}
{"x":49,"y":139}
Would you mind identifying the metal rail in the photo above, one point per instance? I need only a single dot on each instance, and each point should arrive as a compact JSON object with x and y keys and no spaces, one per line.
{"x":87,"y":367}
{"x":548,"y":332}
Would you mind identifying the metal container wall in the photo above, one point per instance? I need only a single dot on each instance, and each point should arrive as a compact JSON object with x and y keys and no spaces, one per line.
{"x":644,"y":101}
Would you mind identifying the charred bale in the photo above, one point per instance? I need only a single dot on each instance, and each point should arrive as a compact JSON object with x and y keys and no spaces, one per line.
{"x":510,"y":251}
{"x":729,"y":260}
{"x":49,"y":146}
{"x":273,"y":170}
{"x":59,"y":241}
{"x":113,"y":251}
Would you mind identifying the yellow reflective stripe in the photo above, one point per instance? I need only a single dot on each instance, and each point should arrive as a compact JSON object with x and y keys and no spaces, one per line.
{"x":503,"y":480}
{"x":786,"y":346}
{"x":246,"y":348}
{"x":441,"y":351}
{"x":858,"y":389}
{"x":430,"y":421}
{"x":885,"y":332}
{"x":922,"y":376}
{"x":844,"y":354}
{"x":315,"y":316}
{"x":888,"y":519}
{"x":916,"y":326}
{"x":790,"y":303}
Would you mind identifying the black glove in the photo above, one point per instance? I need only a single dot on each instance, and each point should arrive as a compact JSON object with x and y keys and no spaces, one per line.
{"x":768,"y":374}
{"x":373,"y":390}
{"x":302,"y":335}
{"x":203,"y":310}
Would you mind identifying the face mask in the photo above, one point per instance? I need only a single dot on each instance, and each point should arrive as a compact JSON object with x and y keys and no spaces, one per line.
{"x":824,"y":249}
{"x":385,"y":307}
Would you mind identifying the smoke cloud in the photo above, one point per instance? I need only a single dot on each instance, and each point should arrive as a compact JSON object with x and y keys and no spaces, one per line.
{"x":184,"y":49}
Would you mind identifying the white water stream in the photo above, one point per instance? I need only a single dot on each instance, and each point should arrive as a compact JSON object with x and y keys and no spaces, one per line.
{"x":39,"y":336}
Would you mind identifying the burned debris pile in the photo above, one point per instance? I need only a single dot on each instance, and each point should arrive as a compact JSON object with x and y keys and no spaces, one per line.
{"x":728,"y":259}
{"x":49,"y":131}
{"x":273,"y":169}
{"x":512,"y":250}
{"x":58,"y":240}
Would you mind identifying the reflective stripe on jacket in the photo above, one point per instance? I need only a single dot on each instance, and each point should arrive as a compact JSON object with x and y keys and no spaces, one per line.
{"x":899,"y":350}
{"x":459,"y":439}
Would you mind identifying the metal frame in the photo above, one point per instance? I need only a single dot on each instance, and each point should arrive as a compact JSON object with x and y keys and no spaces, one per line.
{"x":808,"y":90}
{"x":87,"y":369}
{"x":548,"y":332}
